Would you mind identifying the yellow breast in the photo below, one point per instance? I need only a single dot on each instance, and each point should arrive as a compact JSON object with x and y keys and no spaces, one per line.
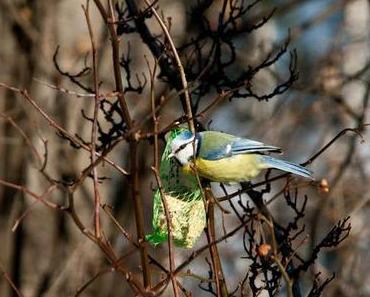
{"x":238,"y":168}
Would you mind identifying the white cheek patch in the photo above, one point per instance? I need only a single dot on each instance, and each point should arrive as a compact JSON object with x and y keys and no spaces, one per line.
{"x":185,"y":154}
{"x":184,"y":150}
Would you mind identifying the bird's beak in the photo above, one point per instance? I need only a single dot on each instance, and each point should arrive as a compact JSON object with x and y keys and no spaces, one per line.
{"x":170,"y":156}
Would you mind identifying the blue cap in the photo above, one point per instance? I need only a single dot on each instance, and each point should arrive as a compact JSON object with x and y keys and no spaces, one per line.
{"x":185,"y":135}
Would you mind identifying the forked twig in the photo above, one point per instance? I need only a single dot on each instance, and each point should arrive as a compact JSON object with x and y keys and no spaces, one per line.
{"x":94,"y":127}
{"x":179,"y":66}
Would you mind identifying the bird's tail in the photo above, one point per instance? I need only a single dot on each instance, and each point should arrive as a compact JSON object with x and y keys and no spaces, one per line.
{"x":270,"y":162}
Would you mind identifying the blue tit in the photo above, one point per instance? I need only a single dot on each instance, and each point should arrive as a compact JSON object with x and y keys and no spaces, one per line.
{"x":227,"y":158}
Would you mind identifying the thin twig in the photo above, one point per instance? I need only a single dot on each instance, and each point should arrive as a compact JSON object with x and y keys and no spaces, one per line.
{"x":24,"y":135}
{"x":63,"y":90}
{"x":32,"y":194}
{"x":10,"y":282}
{"x":94,"y":123}
{"x":211,"y":236}
{"x":107,"y":210}
{"x":169,"y":231}
{"x":154,"y":113}
{"x":91,"y":280}
{"x":60,"y":129}
{"x":155,"y":169}
{"x":106,"y":248}
{"x":110,"y":20}
{"x":41,"y":198}
{"x":189,"y":113}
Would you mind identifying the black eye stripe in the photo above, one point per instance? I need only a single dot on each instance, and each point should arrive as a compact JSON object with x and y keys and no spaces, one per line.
{"x":181,"y":147}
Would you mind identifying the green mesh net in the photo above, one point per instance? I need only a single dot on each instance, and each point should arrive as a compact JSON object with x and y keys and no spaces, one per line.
{"x":185,"y":204}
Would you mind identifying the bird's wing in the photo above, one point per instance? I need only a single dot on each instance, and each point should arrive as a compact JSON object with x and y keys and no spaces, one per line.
{"x":269,"y":162}
{"x":218,"y":145}
{"x":243,"y":146}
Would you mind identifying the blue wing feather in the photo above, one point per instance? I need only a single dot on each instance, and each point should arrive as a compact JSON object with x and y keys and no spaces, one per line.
{"x":218,"y":145}
{"x":243,"y":146}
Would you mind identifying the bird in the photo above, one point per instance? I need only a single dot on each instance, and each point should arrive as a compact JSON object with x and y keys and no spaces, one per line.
{"x":225,"y":158}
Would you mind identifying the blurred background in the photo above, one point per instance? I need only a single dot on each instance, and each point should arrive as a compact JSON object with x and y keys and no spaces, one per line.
{"x":43,"y":253}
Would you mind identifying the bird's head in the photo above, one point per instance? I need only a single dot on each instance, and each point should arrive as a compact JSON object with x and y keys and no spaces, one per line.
{"x":183,"y":147}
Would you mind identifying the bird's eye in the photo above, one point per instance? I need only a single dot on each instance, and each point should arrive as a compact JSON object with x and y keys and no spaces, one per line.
{"x":181,"y":147}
